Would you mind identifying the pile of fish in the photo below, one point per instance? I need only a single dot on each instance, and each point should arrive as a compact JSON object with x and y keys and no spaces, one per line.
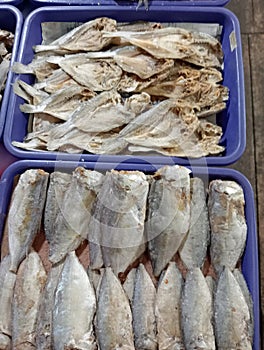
{"x":124,"y":301}
{"x":6,"y":45}
{"x":107,"y":88}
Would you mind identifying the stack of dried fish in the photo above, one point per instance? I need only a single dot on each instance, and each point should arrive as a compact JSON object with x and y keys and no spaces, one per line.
{"x":105,"y":88}
{"x":6,"y":45}
{"x":124,"y":301}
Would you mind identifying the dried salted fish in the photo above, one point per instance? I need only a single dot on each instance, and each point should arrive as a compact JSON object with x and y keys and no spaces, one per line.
{"x":7,"y":283}
{"x":228,"y":226}
{"x":117,"y":223}
{"x":231,"y":314}
{"x":87,"y":37}
{"x":39,"y":66}
{"x":143,"y":311}
{"x":28,"y":92}
{"x":194,"y":249}
{"x":168,"y":214}
{"x":33,"y":145}
{"x":44,"y":316}
{"x":197,"y":312}
{"x":168,"y":309}
{"x":71,"y":225}
{"x":114,"y":318}
{"x":25,"y":213}
{"x":96,"y":277}
{"x":30,"y":281}
{"x":129,"y":284}
{"x":74,"y":308}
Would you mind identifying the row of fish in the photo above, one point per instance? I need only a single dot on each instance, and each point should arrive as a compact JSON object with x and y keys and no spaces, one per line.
{"x":6,"y":45}
{"x":67,"y":309}
{"x":108,"y":88}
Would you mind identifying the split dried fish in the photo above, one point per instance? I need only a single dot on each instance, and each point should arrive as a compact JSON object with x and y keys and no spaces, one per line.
{"x":114,"y":318}
{"x":118,"y":221}
{"x":228,"y":225}
{"x":194,"y":249}
{"x":168,"y":214}
{"x":232,"y":317}
{"x":168,"y":309}
{"x":30,"y":281}
{"x":197,"y":312}
{"x":25,"y":214}
{"x":143,"y":311}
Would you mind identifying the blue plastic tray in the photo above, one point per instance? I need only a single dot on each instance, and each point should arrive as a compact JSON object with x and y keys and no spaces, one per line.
{"x":10,"y":19}
{"x":250,"y":266}
{"x":232,"y":119}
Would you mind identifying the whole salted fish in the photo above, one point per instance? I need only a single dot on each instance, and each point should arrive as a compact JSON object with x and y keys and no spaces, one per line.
{"x":71,"y":225}
{"x":168,"y":214}
{"x":114,"y":318}
{"x":197,"y":312}
{"x":25,"y":213}
{"x":168,"y":309}
{"x":7,"y":283}
{"x":44,"y":317}
{"x":74,"y":308}
{"x":143,"y":311}
{"x":228,"y":225}
{"x":194,"y":249}
{"x":231,"y":314}
{"x":118,"y":221}
{"x":31,"y":279}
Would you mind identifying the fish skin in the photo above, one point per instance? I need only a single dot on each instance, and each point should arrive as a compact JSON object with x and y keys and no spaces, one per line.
{"x":194,"y":249}
{"x":74,"y":308}
{"x":197,"y":313}
{"x":168,"y":309}
{"x":59,"y":182}
{"x":7,"y":283}
{"x":119,"y":222}
{"x":96,"y":277}
{"x":44,"y":317}
{"x":228,"y":225}
{"x":211,"y":285}
{"x":31,"y":279}
{"x":25,"y":213}
{"x":114,"y":318}
{"x":71,"y":226}
{"x":231,"y":314}
{"x":129,"y":284}
{"x":5,"y":342}
{"x":143,"y":311}
{"x":169,"y":214}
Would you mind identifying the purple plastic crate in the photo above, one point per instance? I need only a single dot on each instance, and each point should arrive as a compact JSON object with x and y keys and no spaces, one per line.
{"x":10,"y":19}
{"x":232,"y":119}
{"x":250,"y":266}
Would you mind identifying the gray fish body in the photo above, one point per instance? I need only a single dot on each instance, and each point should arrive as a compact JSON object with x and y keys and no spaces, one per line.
{"x":5,"y":342}
{"x":96,"y":277}
{"x":71,"y":226}
{"x":25,"y":213}
{"x":143,"y":311}
{"x":129,"y":284}
{"x":168,"y":309}
{"x":30,"y":282}
{"x":232,"y":317}
{"x":197,"y":312}
{"x":228,"y":224}
{"x":74,"y":308}
{"x":44,"y":318}
{"x":169,"y":215}
{"x":114,"y":318}
{"x":193,"y":252}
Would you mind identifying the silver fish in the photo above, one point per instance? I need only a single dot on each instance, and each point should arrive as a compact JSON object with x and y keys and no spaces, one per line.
{"x":71,"y":226}
{"x":211,"y":285}
{"x":119,"y":222}
{"x":197,"y":312}
{"x":25,"y":213}
{"x":74,"y":308}
{"x":7,"y":283}
{"x":194,"y":249}
{"x":228,"y":225}
{"x":169,"y":214}
{"x":114,"y":318}
{"x":143,"y":311}
{"x":31,"y":279}
{"x":96,"y":277}
{"x":232,"y":317}
{"x":168,"y":309}
{"x":129,"y":284}
{"x":44,"y":317}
